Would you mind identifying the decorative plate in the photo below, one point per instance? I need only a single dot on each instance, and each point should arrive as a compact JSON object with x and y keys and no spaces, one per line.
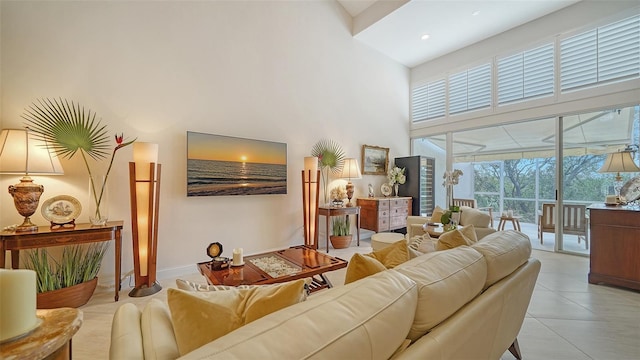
{"x":386,"y":189}
{"x":61,"y":209}
{"x":214,"y":250}
{"x":631,"y":189}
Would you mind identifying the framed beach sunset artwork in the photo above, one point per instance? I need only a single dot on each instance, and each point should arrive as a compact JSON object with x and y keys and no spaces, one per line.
{"x":220,"y":165}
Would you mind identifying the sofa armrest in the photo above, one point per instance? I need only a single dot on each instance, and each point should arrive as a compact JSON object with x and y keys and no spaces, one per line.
{"x":126,"y":334}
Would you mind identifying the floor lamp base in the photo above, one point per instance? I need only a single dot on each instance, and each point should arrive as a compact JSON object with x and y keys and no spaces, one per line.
{"x":144,"y":290}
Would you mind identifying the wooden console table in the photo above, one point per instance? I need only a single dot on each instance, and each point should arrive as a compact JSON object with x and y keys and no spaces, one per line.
{"x":615,"y":245}
{"x":329,"y":211}
{"x":45,"y":237}
{"x":51,"y":340}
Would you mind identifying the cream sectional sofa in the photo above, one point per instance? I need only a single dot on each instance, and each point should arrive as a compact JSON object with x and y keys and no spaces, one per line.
{"x":464,"y":303}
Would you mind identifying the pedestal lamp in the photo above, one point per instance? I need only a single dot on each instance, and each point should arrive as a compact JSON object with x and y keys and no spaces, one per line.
{"x":618,"y":162}
{"x":144,"y":186}
{"x":350,"y":170}
{"x":310,"y":196}
{"x":21,"y":153}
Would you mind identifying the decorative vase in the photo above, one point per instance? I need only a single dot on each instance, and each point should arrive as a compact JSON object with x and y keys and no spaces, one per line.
{"x":71,"y":296}
{"x":395,"y":189}
{"x":341,"y":241}
{"x":98,"y":200}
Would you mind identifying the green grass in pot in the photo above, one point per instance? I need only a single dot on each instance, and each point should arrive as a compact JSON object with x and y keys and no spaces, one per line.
{"x":341,"y":226}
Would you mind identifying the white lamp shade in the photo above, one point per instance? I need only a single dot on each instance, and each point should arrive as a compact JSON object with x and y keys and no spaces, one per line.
{"x":22,"y":153}
{"x":619,"y":162}
{"x":310,"y":166}
{"x":144,"y":154}
{"x":350,"y":169}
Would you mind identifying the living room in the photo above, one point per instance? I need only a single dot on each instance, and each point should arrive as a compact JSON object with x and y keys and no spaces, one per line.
{"x":288,"y":72}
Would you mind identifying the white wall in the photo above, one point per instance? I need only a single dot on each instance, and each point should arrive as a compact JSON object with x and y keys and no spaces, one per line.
{"x":272,"y":70}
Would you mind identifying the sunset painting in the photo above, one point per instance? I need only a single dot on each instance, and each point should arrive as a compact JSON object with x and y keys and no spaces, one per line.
{"x":225,"y":165}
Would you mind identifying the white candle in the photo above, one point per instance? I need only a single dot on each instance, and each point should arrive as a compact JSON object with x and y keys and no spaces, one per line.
{"x":17,"y":302}
{"x":237,"y":256}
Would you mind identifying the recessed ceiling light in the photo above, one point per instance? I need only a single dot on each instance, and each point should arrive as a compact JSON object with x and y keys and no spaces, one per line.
{"x":424,"y":37}
{"x":475,"y":13}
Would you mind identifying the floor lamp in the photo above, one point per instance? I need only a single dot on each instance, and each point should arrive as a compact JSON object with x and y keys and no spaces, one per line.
{"x":310,"y":193}
{"x":144,"y":185}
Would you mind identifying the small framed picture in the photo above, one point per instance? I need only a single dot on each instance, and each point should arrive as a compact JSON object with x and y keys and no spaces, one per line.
{"x":375,"y":160}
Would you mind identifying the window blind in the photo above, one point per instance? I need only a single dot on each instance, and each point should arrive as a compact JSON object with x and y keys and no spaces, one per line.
{"x":428,"y":101}
{"x":470,"y":89}
{"x":608,"y":53}
{"x":526,"y":75}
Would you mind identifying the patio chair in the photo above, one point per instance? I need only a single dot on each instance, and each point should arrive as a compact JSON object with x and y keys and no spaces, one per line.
{"x":575,"y":221}
{"x":472,"y":203}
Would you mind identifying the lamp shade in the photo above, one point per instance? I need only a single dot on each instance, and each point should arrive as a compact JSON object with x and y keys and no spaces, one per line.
{"x":350,"y":169}
{"x":22,"y":153}
{"x":620,"y":161}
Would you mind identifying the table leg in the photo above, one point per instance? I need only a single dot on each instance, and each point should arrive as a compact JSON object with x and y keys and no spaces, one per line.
{"x":328,"y":218}
{"x":15,"y":259}
{"x":3,"y":254}
{"x":358,"y":227}
{"x":118,"y":240}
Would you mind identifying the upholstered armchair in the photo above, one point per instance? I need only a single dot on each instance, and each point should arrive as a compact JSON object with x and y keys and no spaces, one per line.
{"x":468,"y":216}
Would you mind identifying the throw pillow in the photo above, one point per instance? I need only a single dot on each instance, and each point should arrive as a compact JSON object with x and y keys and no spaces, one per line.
{"x":436,"y":216}
{"x":392,"y":255}
{"x":201,"y":317}
{"x":452,"y":239}
{"x":194,"y":286}
{"x":362,"y":266}
{"x":469,"y":231}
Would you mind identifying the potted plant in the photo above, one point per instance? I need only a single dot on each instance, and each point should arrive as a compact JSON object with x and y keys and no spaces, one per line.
{"x":330,"y":159}
{"x":70,"y":281}
{"x":341,"y":232}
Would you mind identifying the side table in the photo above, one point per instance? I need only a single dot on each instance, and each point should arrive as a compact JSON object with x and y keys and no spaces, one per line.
{"x":329,"y":211}
{"x":515,"y":221}
{"x":50,"y":340}
{"x":45,"y":237}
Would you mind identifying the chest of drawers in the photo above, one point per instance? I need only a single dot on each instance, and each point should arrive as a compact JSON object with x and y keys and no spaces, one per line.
{"x":384,"y":214}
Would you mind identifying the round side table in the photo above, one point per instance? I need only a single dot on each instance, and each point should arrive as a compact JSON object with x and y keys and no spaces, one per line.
{"x":50,"y":340}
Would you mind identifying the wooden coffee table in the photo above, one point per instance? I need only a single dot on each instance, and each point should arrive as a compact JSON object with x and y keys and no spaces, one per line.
{"x":294,"y":263}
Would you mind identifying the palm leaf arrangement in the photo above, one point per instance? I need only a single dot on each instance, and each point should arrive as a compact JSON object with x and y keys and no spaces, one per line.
{"x":330,"y":159}
{"x":70,"y":129}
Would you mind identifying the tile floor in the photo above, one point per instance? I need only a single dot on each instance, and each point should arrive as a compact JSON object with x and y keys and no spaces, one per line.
{"x":567,"y":318}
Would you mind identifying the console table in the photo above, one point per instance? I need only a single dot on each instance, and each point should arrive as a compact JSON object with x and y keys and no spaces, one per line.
{"x":51,"y":340}
{"x":615,"y":245}
{"x":329,"y":211}
{"x":45,"y":237}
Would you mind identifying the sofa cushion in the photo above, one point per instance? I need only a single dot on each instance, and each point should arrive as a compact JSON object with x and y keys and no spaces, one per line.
{"x":446,"y":281}
{"x":457,"y":237}
{"x":200,"y":317}
{"x":158,"y":339}
{"x":361,"y":266}
{"x":437,"y":213}
{"x":392,"y":255}
{"x":367,"y":319}
{"x":475,"y":217}
{"x":504,"y":251}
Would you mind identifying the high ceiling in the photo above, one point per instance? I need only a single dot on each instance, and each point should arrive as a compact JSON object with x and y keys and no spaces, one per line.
{"x":395,"y":27}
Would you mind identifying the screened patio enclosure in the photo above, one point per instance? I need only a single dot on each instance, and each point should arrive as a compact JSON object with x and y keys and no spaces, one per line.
{"x":514,"y":166}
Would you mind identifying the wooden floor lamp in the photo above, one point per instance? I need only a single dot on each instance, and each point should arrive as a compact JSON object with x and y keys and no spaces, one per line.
{"x":310,"y":196}
{"x":144,"y":186}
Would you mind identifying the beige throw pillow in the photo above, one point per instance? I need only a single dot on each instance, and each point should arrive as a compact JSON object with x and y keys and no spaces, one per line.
{"x":436,"y":216}
{"x":361,"y":266}
{"x":454,"y":238}
{"x":392,"y":255}
{"x":201,"y":317}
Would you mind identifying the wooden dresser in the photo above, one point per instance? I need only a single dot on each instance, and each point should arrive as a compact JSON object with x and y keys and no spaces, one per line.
{"x":615,"y":245}
{"x":384,"y":214}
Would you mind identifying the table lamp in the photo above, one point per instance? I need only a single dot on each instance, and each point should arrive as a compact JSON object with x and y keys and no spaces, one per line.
{"x":621,"y":161}
{"x":23,"y":153}
{"x":350,"y":170}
